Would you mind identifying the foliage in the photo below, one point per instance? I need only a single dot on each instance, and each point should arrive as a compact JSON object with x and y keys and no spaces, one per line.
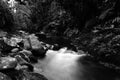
{"x":6,"y":17}
{"x":92,"y":25}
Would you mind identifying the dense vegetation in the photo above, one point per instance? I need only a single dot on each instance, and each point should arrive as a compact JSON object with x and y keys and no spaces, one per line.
{"x":92,"y":26}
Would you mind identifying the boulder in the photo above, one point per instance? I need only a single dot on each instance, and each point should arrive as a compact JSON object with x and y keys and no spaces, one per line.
{"x":7,"y":63}
{"x":32,"y":43}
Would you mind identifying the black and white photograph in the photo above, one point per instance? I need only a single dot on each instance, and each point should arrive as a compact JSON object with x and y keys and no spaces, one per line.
{"x":59,"y":39}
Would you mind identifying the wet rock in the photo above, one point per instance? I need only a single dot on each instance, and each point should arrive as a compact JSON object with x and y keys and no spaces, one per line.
{"x":20,"y":59}
{"x":25,"y":67}
{"x":4,"y":47}
{"x":22,"y":55}
{"x":35,"y":46}
{"x":26,"y":44}
{"x":15,"y":50}
{"x":33,"y":59}
{"x":4,"y":77}
{"x":39,"y":52}
{"x":34,"y":42}
{"x":56,"y":47}
{"x":13,"y":41}
{"x":26,"y":52}
{"x":7,"y":63}
{"x":23,"y":63}
{"x":28,"y":66}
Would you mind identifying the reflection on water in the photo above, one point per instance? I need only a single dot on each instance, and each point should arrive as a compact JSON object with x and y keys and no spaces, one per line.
{"x":62,"y":65}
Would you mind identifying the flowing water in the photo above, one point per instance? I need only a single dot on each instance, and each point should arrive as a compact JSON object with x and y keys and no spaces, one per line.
{"x":62,"y":65}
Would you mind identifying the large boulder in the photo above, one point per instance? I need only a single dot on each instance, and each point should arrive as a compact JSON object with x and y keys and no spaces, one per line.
{"x":34,"y":45}
{"x":7,"y":63}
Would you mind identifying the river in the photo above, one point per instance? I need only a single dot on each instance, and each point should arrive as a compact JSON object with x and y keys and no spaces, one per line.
{"x":58,"y":65}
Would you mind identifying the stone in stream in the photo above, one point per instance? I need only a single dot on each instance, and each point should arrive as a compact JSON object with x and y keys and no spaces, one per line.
{"x":39,"y":52}
{"x":15,"y":50}
{"x":32,"y":43}
{"x":33,"y":59}
{"x":23,"y":64}
{"x":7,"y":63}
{"x":25,"y":54}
